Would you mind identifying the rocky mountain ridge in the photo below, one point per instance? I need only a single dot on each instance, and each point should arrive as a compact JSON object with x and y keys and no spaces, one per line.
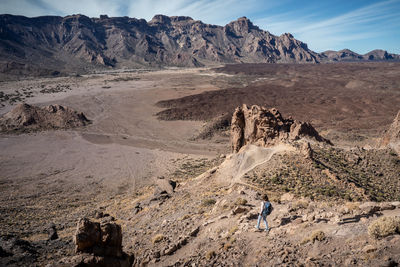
{"x":76,"y":43}
{"x":348,"y":55}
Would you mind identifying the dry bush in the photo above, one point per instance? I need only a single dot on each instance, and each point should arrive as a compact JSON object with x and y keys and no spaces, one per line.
{"x":185,"y":217}
{"x":227,"y":246}
{"x":384,"y":226}
{"x":300,"y":204}
{"x":208,"y":202}
{"x":352,"y":206}
{"x":233,"y":230}
{"x":240,"y":201}
{"x":210,"y":254}
{"x":316,"y":235}
{"x":158,"y":238}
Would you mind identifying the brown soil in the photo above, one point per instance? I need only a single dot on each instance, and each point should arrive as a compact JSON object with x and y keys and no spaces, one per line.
{"x":119,"y":164}
{"x":350,"y":101}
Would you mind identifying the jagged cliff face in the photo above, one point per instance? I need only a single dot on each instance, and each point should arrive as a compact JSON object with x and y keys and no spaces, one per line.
{"x":78,"y":41}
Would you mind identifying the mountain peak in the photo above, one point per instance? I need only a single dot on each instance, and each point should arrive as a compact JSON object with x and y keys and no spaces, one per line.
{"x":163,"y":19}
{"x":240,"y":27}
{"x":119,"y":42}
{"x":159,"y":18}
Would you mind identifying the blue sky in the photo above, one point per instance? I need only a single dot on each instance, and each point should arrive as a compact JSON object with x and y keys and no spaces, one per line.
{"x":360,"y":25}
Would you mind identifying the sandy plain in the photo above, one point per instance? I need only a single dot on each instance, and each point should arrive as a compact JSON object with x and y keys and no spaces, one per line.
{"x":49,"y":176}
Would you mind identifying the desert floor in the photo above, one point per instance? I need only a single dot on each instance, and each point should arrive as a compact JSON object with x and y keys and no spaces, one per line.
{"x":60,"y":176}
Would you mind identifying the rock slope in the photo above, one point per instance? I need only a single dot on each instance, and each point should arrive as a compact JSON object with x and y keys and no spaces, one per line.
{"x":391,"y":137}
{"x":51,"y":44}
{"x":25,"y":118}
{"x":77,"y":40}
{"x":263,"y":127}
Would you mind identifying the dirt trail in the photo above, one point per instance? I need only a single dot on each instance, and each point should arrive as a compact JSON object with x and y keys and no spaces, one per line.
{"x":237,"y":165}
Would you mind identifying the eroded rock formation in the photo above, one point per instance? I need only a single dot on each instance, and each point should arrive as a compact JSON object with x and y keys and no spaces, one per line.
{"x":25,"y":117}
{"x":264,"y":127}
{"x":98,"y":244}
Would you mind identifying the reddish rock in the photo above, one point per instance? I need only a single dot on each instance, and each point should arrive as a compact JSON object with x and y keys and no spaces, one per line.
{"x":260,"y":126}
{"x":88,"y":234}
{"x":99,"y":239}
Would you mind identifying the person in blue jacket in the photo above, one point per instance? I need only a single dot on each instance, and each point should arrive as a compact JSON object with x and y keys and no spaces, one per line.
{"x":265,"y":210}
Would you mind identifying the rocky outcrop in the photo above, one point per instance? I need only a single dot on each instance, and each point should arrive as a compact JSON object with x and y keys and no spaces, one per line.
{"x":264,"y":127}
{"x":99,"y":239}
{"x":25,"y":118}
{"x":98,"y":244}
{"x":391,"y":137}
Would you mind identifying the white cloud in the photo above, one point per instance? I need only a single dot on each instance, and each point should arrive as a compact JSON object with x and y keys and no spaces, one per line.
{"x":216,"y":11}
{"x":323,"y":34}
{"x":14,"y":7}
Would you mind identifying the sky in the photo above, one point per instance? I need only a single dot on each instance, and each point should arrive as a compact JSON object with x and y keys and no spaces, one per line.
{"x":359,"y":25}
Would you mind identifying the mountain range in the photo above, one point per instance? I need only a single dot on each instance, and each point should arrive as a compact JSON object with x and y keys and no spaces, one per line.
{"x":77,"y":43}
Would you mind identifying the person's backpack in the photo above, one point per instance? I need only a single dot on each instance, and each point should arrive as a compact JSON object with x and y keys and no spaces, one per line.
{"x":267,"y":208}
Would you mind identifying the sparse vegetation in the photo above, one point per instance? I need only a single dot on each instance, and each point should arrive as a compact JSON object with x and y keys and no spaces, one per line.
{"x":352,"y":206}
{"x":191,"y":168}
{"x":210,"y":254}
{"x":300,"y":204}
{"x":317,"y":235}
{"x":124,"y":79}
{"x":240,"y":201}
{"x":56,"y":89}
{"x":158,"y":238}
{"x":208,"y":202}
{"x":232,"y":231}
{"x":384,"y":226}
{"x":333,"y":174}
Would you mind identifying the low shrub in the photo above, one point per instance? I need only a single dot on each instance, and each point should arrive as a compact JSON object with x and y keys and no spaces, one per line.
{"x":384,"y":226}
{"x":157,"y":238}
{"x":208,"y":202}
{"x":317,"y":235}
{"x":210,"y":254}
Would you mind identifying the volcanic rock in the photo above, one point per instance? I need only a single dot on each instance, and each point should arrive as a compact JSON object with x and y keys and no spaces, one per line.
{"x":25,"y":117}
{"x":99,"y":239}
{"x":51,"y":44}
{"x":88,"y":235}
{"x":77,"y":43}
{"x":260,"y":126}
{"x":15,"y":250}
{"x":391,"y":138}
{"x":52,"y":231}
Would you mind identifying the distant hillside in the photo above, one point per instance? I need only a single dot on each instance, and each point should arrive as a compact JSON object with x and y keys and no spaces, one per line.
{"x":348,"y":55}
{"x":51,"y":44}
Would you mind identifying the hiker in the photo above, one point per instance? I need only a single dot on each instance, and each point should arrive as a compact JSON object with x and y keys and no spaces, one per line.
{"x":266,"y":209}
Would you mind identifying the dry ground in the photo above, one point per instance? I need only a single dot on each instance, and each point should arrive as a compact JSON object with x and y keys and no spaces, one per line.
{"x":352,"y":103}
{"x":113,"y":164}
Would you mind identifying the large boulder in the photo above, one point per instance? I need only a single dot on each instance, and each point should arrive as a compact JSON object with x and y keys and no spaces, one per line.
{"x":264,"y":127}
{"x":25,"y":117}
{"x":97,"y":244}
{"x":391,"y":137}
{"x":99,"y":239}
{"x":87,"y":235}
